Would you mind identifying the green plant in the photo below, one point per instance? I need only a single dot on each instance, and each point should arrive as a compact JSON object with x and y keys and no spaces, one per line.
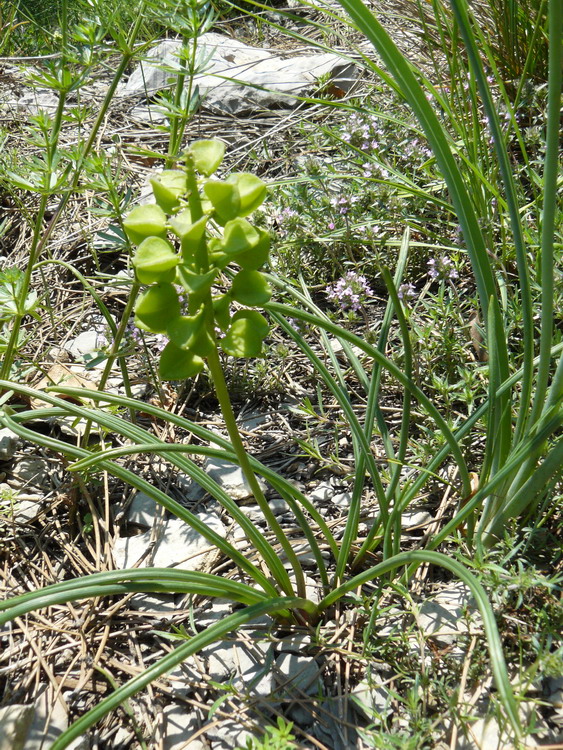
{"x":195,"y":266}
{"x":522,"y":454}
{"x":278,"y":737}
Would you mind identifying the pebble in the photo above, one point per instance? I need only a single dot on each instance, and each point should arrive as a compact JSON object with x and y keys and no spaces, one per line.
{"x":8,"y":444}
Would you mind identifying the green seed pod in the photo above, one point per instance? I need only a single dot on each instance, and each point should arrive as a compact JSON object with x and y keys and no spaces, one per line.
{"x":155,"y":260}
{"x":251,"y":191}
{"x":189,"y":333}
{"x":239,"y":235}
{"x":156,"y":307}
{"x":190,"y":233}
{"x":145,"y":221}
{"x":251,"y":288}
{"x":168,"y":187}
{"x":207,"y":156}
{"x":224,"y":198}
{"x":196,"y":283}
{"x":245,"y":336}
{"x":221,"y":311}
{"x":177,"y":364}
{"x":254,"y":258}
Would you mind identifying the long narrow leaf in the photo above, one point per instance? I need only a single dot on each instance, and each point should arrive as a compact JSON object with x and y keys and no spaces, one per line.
{"x":166,"y":664}
{"x":493,"y":640}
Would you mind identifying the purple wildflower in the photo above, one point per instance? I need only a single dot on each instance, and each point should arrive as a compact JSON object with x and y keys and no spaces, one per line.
{"x":442,"y":267}
{"x":350,"y":291}
{"x":343,"y":204}
{"x":406,"y":291}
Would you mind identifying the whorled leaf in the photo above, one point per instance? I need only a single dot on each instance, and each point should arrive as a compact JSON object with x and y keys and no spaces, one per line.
{"x":155,"y":260}
{"x":251,"y":190}
{"x":251,"y":288}
{"x":178,"y":364}
{"x":207,"y":155}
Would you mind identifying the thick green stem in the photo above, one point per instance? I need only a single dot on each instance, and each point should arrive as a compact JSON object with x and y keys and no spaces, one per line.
{"x":222,"y":391}
{"x":216,"y":373}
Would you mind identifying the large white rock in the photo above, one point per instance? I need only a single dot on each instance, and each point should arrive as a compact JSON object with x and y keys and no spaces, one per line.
{"x":297,"y":674}
{"x":177,"y":545}
{"x":372,"y":701}
{"x":238,"y":78}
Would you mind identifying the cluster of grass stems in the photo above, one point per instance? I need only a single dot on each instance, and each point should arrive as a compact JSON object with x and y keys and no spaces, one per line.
{"x":522,"y":413}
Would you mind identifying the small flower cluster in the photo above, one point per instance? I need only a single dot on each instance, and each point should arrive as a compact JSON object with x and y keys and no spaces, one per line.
{"x":406,"y":291}
{"x":371,"y":169}
{"x":362,"y":131}
{"x":350,"y":291}
{"x":442,"y":267}
{"x":285,"y":221}
{"x":343,"y":204}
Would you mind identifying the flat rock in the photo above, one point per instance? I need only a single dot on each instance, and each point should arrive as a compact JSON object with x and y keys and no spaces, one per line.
{"x":180,"y":724}
{"x":159,"y":605}
{"x":15,"y":722}
{"x":238,"y":78}
{"x":322,"y":492}
{"x":442,"y":617}
{"x":410,"y":519}
{"x":86,"y":342}
{"x":143,"y":510}
{"x":229,"y":476}
{"x":304,"y":554}
{"x":30,"y":471}
{"x":50,"y":719}
{"x":228,"y":734}
{"x":296,"y":673}
{"x":486,"y":733}
{"x":148,"y":114}
{"x":254,"y":513}
{"x":177,"y":545}
{"x":247,"y":665}
{"x":38,"y":100}
{"x":27,"y":510}
{"x":372,"y":701}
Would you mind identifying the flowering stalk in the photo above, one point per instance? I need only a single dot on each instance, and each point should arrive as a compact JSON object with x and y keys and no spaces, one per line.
{"x":193,"y":266}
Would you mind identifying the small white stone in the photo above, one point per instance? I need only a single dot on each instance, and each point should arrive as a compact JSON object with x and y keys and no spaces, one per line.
{"x":228,"y":734}
{"x":178,"y":545}
{"x":372,"y":701}
{"x":143,"y":510}
{"x":415,"y":518}
{"x":180,"y":724}
{"x":486,"y":733}
{"x":443,"y":616}
{"x":229,"y":476}
{"x":296,"y":673}
{"x":324,"y":491}
{"x":30,"y":471}
{"x":8,"y":444}
{"x":86,"y":343}
{"x":159,"y":605}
